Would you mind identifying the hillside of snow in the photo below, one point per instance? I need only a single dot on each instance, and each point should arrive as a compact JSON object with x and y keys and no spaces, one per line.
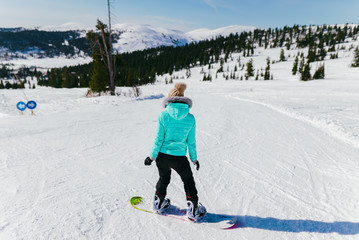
{"x":139,"y":37}
{"x":205,"y":33}
{"x":281,"y":156}
{"x":132,"y":37}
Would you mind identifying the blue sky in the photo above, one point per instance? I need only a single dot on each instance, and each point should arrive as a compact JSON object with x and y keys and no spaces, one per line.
{"x":183,"y":15}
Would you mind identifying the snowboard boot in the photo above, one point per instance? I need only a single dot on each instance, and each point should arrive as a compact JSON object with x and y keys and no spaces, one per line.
{"x":195,"y":210}
{"x":160,"y":204}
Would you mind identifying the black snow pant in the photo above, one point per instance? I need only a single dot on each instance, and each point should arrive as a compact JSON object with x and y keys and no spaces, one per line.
{"x":181,"y":165}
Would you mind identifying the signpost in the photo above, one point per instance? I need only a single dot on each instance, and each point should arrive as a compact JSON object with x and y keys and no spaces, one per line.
{"x":31,"y":105}
{"x":21,"y":106}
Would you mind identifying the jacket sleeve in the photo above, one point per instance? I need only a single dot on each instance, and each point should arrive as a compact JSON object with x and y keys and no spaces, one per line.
{"x":191,"y":140}
{"x":160,"y":136}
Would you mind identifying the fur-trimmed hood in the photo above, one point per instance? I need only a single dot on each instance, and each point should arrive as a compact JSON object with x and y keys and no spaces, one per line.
{"x":177,"y":99}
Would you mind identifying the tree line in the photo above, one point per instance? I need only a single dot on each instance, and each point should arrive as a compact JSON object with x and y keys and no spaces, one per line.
{"x":42,"y":43}
{"x":142,"y":67}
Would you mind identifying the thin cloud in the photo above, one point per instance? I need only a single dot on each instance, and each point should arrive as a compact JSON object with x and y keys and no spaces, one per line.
{"x":211,"y":4}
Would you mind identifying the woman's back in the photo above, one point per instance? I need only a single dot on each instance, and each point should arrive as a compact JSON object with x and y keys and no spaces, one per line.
{"x":179,"y":127}
{"x":176,"y":129}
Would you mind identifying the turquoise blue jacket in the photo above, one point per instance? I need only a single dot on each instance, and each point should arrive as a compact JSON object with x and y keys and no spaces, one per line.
{"x":176,"y":129}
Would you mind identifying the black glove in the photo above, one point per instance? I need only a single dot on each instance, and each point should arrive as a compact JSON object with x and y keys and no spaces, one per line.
{"x":148,"y":161}
{"x":197,"y":164}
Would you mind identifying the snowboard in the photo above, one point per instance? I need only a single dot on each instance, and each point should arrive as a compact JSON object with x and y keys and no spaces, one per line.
{"x":213,"y":220}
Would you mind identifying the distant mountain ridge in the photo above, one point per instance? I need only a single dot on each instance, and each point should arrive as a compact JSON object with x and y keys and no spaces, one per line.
{"x":70,"y":39}
{"x":140,"y":37}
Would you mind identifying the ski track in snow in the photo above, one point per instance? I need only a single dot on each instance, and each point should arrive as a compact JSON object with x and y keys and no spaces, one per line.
{"x":324,"y":127}
{"x":307,"y":159}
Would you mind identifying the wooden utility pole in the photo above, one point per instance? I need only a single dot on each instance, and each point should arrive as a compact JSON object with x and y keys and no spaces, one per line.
{"x":110,"y":58}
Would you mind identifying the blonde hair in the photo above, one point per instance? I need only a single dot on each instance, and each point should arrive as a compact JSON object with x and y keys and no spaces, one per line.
{"x":178,"y":90}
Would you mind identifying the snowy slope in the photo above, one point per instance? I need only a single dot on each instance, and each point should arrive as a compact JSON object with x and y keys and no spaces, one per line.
{"x":132,"y":37}
{"x":205,"y":33}
{"x":139,"y":37}
{"x":281,"y":156}
{"x":70,"y":26}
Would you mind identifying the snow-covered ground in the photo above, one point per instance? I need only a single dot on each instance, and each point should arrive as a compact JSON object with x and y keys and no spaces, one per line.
{"x":47,"y":63}
{"x":281,"y":156}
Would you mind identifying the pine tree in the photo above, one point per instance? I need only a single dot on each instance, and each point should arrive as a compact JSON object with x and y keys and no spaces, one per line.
{"x":319,"y":73}
{"x":301,"y":65}
{"x":221,"y":66}
{"x":356,"y":58}
{"x":102,"y":50}
{"x":250,"y":69}
{"x":322,"y":53}
{"x":311,"y":54}
{"x":153,"y":75}
{"x":99,"y":77}
{"x":267,"y":70}
{"x":1,"y":85}
{"x":332,"y":48}
{"x":295,"y":65}
{"x":305,"y":76}
{"x":8,"y":85}
{"x":282,"y":56}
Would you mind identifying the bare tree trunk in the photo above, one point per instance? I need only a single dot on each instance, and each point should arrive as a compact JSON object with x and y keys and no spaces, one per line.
{"x":107,"y":58}
{"x":107,"y":53}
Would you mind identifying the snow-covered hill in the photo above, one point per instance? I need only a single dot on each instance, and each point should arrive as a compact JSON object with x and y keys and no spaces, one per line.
{"x":139,"y":37}
{"x":205,"y":33}
{"x":281,"y":156}
{"x":132,"y":37}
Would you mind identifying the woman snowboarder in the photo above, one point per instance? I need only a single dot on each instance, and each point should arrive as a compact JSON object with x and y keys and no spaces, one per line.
{"x":176,"y":129}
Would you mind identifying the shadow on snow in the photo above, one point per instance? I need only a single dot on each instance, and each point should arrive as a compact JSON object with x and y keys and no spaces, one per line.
{"x":280,"y":225}
{"x":151,"y":97}
{"x":296,"y":226}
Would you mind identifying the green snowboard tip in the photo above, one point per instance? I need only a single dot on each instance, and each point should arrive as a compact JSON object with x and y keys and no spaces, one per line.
{"x":135,"y":200}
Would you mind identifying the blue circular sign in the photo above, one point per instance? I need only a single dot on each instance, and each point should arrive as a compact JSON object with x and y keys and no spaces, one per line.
{"x":31,"y":105}
{"x":21,"y":106}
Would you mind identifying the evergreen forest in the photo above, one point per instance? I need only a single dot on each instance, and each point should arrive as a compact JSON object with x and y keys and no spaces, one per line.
{"x":142,"y":67}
